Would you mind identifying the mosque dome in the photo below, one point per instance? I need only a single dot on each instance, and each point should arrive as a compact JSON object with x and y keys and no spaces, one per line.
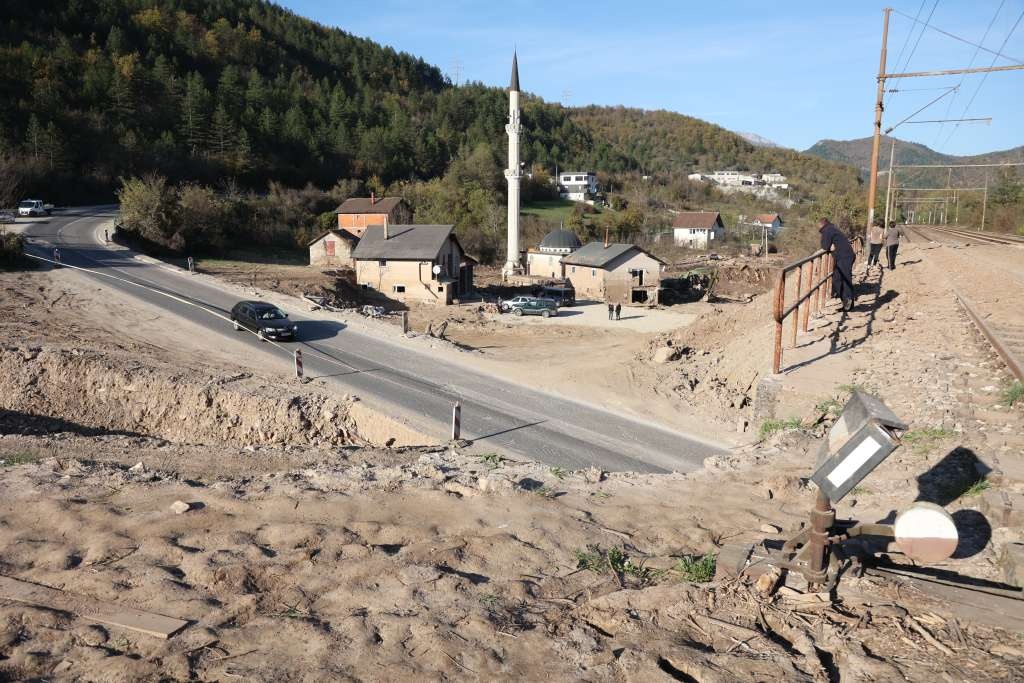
{"x":560,"y":241}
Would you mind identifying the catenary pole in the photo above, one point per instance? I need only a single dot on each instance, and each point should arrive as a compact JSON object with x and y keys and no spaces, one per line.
{"x":888,"y":189}
{"x":877,"y":136}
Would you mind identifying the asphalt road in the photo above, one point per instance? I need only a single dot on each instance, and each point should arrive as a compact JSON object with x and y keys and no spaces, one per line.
{"x":495,"y":413}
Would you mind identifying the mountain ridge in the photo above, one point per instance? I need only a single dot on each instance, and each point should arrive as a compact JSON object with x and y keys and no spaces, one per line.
{"x":857,"y":153}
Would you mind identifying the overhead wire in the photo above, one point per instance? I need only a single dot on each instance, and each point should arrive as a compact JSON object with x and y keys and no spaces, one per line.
{"x":984,"y":77}
{"x":997,"y":53}
{"x":906,"y":41}
{"x":977,"y":48}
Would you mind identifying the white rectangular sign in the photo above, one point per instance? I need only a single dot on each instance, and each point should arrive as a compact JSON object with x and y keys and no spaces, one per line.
{"x":853,"y":462}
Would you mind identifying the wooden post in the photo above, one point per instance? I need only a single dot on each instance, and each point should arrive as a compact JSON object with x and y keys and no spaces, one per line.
{"x":796,"y":311}
{"x":780,"y":288}
{"x":456,"y":421}
{"x":405,"y":322}
{"x":807,"y":304}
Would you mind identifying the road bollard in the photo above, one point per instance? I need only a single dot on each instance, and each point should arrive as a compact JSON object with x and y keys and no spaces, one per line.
{"x":56,"y":255}
{"x":298,"y":363}
{"x":405,"y":322}
{"x":191,"y":265}
{"x":456,"y":421}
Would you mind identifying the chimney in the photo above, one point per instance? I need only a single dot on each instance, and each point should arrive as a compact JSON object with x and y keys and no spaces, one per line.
{"x":606,"y":230}
{"x":387,"y":233}
{"x":373,"y":199}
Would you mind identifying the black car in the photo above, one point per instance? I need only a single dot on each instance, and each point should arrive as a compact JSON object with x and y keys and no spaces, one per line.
{"x":266,"y":320}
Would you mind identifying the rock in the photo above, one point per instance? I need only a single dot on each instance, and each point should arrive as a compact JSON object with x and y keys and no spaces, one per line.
{"x":137,"y":468}
{"x":180,"y":506}
{"x":461,"y":490}
{"x":595,"y":475}
{"x":91,"y":635}
{"x":664,"y":355}
{"x":768,"y":582}
{"x":741,"y":425}
{"x":770,"y":528}
{"x":882,"y":611}
{"x":494,"y":484}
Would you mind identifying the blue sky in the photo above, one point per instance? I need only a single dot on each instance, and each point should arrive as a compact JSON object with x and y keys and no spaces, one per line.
{"x":794,"y":72}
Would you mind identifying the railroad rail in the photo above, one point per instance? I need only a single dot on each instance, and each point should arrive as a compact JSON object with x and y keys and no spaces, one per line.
{"x":970,"y":235}
{"x":813,"y":273}
{"x":1006,"y":338}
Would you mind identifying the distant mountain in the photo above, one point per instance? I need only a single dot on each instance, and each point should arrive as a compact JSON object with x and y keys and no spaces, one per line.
{"x":757,"y":140}
{"x":858,"y":153}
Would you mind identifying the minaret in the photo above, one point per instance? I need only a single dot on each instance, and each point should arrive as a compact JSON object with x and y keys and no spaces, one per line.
{"x":513,"y":173}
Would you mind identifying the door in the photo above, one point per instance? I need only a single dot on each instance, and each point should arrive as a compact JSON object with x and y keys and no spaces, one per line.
{"x":329,"y":246}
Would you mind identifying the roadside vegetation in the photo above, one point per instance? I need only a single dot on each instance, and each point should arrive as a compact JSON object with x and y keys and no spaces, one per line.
{"x":12,"y":248}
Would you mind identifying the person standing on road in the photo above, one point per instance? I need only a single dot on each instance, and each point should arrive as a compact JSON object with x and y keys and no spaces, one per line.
{"x":892,"y":242}
{"x":876,"y":238}
{"x":611,"y":312}
{"x":618,"y":311}
{"x":833,"y":240}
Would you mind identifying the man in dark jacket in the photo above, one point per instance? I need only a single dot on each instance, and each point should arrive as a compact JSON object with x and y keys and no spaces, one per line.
{"x":833,"y":239}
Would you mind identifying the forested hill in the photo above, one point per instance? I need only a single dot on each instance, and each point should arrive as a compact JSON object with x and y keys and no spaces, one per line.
{"x":858,"y":153}
{"x":208,"y":90}
{"x":667,"y":142}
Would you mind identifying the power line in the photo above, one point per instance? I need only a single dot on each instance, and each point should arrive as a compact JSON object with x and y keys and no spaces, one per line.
{"x":977,"y":48}
{"x":892,"y":128}
{"x":985,"y":77}
{"x":962,"y":40}
{"x":907,"y":40}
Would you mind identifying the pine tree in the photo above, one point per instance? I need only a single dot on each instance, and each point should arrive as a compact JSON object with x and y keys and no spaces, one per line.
{"x":34,"y":138}
{"x":194,"y":107}
{"x":222,"y":132}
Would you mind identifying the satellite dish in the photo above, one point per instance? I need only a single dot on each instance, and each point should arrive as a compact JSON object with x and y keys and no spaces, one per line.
{"x":437,"y":270}
{"x":926,"y":533}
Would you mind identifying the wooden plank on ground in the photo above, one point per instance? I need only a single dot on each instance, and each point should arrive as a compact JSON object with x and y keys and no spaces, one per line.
{"x":90,"y":609}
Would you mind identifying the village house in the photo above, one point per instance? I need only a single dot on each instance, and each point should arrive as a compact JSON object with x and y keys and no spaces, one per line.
{"x":614,"y":273}
{"x":546,"y":260}
{"x":423,"y":263}
{"x":771,"y":221}
{"x":358,"y":213}
{"x":577,"y":186}
{"x":697,"y":229}
{"x":333,"y":249}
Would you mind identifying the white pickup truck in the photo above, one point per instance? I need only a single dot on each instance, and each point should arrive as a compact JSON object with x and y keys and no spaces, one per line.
{"x":34,"y":207}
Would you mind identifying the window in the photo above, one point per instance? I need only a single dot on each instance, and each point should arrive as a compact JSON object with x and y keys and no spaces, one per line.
{"x":440,"y":288}
{"x":574,"y":269}
{"x":398,"y":289}
{"x":593,"y":272}
{"x":383,"y":263}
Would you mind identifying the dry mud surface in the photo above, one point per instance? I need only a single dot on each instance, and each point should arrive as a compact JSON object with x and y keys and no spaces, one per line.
{"x":310,"y":554}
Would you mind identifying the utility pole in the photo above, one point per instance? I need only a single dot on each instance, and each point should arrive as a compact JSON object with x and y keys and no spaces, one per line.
{"x":984,"y":202}
{"x":888,"y":189}
{"x":877,"y":137}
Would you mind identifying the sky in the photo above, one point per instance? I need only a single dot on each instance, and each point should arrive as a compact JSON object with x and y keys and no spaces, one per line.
{"x":793,"y":72}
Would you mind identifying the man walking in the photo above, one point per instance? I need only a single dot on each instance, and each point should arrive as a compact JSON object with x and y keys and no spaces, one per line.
{"x":611,"y":312}
{"x":892,"y":242}
{"x":833,"y":240}
{"x":618,"y":311}
{"x":876,"y":237}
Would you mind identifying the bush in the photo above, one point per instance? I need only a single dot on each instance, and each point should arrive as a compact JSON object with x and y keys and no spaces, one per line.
{"x":12,"y":251}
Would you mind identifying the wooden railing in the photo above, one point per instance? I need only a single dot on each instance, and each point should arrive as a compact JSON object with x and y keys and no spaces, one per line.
{"x":813,"y":288}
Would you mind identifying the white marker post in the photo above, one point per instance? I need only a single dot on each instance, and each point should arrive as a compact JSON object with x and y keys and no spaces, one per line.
{"x":56,"y":255}
{"x":456,"y":421}
{"x":191,"y":265}
{"x":298,"y":363}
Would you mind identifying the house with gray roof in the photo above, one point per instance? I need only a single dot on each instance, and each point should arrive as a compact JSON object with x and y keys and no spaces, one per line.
{"x":614,"y":273}
{"x":422,"y":263}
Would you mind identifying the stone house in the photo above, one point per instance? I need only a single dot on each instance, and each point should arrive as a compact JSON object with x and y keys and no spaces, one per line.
{"x":423,"y":263}
{"x":614,"y":273}
{"x":546,"y":260}
{"x":358,"y":213}
{"x":333,"y":249}
{"x":697,"y":229}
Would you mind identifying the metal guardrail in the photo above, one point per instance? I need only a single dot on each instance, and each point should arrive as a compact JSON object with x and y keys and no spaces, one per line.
{"x":812,"y":274}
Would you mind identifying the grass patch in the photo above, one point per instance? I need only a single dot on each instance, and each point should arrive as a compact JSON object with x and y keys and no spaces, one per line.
{"x":1012,"y":393}
{"x":21,"y":458}
{"x":921,"y":440}
{"x":829,"y":406}
{"x":597,"y":559}
{"x":492,"y":460}
{"x":977,"y":487}
{"x":553,"y":210}
{"x":697,"y":569}
{"x":558,"y":473}
{"x":769,"y":427}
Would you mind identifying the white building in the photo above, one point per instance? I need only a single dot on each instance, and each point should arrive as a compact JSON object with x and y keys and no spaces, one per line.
{"x":698,"y":229}
{"x":577,"y":186}
{"x":770,"y":221}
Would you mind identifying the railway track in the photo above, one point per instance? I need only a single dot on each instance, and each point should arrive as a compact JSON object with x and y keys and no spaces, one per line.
{"x":1006,"y":338}
{"x":969,"y":235}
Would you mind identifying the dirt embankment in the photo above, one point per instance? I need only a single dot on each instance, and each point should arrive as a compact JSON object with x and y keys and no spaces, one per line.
{"x":76,"y":390}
